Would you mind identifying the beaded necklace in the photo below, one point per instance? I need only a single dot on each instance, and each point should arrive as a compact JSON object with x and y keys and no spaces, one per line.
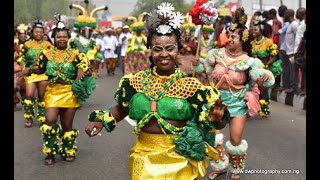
{"x":154,"y":91}
{"x":257,"y":45}
{"x":59,"y":65}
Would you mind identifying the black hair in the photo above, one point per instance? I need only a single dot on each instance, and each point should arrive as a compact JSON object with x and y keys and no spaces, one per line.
{"x":37,"y":24}
{"x":152,"y":32}
{"x":273,"y":12}
{"x":281,"y":10}
{"x":56,"y":30}
{"x":240,"y":20}
{"x":265,"y":28}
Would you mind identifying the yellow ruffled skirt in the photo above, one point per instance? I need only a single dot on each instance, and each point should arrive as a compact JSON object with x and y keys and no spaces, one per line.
{"x":35,"y":78}
{"x":60,"y":95}
{"x":154,"y":157}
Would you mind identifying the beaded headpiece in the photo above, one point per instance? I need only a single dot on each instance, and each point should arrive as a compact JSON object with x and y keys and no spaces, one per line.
{"x":240,"y":20}
{"x":38,"y":23}
{"x":164,"y":20}
{"x":85,"y":19}
{"x":60,"y":22}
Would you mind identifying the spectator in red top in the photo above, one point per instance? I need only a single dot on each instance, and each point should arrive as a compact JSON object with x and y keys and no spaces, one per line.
{"x":276,"y":25}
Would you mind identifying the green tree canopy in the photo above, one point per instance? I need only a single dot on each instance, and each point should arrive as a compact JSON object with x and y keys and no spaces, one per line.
{"x":148,"y":5}
{"x":26,"y":11}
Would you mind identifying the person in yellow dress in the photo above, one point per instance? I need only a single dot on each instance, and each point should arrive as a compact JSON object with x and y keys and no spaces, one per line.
{"x":176,"y":115}
{"x":34,"y":79}
{"x":65,"y":67}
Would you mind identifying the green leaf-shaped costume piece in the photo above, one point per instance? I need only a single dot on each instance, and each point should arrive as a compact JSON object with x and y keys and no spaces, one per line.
{"x":276,"y":68}
{"x":82,"y":89}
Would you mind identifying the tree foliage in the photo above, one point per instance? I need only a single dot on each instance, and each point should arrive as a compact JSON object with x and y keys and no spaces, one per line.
{"x":148,"y":5}
{"x":26,"y":11}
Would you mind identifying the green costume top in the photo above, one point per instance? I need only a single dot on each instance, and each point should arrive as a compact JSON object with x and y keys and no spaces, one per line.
{"x":86,"y":46}
{"x":264,"y":49}
{"x":137,"y":43}
{"x":63,"y":64}
{"x":150,"y":96}
{"x":31,"y":51}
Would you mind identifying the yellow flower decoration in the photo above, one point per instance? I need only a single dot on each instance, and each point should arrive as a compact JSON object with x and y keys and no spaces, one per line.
{"x":28,"y":102}
{"x":100,"y":116}
{"x":46,"y":150}
{"x":212,"y":130}
{"x":243,"y":19}
{"x":233,"y":26}
{"x":202,"y":116}
{"x":245,"y":35}
{"x":108,"y":118}
{"x":71,"y":152}
{"x":195,"y":106}
{"x":273,"y":52}
{"x":262,"y":101}
{"x":27,"y":116}
{"x":199,"y":97}
{"x":68,"y":135}
{"x":45,"y":128}
{"x":125,"y":104}
{"x":123,"y":92}
{"x":274,"y":46}
{"x":42,"y":104}
{"x":41,"y":119}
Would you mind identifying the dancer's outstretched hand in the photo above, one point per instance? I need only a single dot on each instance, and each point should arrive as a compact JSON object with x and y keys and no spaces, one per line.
{"x":94,"y":128}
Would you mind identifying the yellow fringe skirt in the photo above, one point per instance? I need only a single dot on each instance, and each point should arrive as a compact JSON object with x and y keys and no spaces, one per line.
{"x":35,"y":78}
{"x":154,"y":157}
{"x":60,"y":95}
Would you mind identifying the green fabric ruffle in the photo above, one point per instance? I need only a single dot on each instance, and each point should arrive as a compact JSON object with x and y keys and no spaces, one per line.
{"x":82,"y":89}
{"x":190,"y":143}
{"x":276,"y":68}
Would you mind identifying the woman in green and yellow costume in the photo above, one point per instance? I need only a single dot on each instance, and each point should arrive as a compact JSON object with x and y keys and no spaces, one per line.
{"x":85,"y":25}
{"x":176,"y":115}
{"x":66,"y":70}
{"x":34,"y":79}
{"x":264,"y":49}
{"x":137,"y":58}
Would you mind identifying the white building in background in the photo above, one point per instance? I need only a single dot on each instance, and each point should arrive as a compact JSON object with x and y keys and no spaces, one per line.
{"x":251,"y":6}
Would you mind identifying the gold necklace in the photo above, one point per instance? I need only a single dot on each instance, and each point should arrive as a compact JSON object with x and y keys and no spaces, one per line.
{"x":260,"y":41}
{"x":233,"y":54}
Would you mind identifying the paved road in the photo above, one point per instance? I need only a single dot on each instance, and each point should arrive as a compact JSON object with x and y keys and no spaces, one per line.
{"x":275,"y":144}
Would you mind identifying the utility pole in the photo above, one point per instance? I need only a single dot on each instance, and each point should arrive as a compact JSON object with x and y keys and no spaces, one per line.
{"x":300,"y":3}
{"x":260,"y":2}
{"x":38,"y":9}
{"x":239,"y":3}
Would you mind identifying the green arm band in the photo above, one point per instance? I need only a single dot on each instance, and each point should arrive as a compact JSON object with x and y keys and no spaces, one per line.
{"x":107,"y":119}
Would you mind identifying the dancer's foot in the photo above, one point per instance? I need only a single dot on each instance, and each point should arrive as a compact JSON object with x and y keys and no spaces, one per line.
{"x":49,"y":160}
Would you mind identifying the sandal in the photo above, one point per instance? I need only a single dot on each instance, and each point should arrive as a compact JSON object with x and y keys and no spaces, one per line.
{"x":233,"y":175}
{"x":214,"y":175}
{"x":28,"y":124}
{"x":49,"y":160}
{"x":70,"y":158}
